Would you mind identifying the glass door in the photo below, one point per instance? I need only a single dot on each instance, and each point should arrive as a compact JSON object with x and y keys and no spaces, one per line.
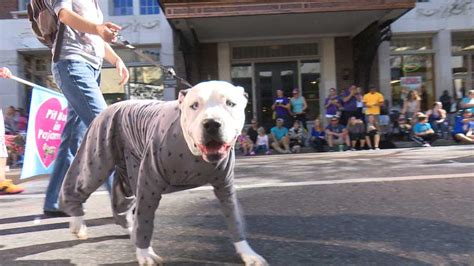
{"x":268,"y":78}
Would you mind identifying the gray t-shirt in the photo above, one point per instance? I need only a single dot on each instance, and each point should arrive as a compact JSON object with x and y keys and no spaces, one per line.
{"x":78,"y":45}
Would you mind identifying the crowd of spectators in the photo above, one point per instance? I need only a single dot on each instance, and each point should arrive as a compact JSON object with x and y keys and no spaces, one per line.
{"x":16,"y":122}
{"x":356,"y":121}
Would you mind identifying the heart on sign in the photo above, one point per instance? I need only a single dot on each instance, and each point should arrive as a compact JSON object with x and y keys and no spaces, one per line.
{"x":49,"y":124}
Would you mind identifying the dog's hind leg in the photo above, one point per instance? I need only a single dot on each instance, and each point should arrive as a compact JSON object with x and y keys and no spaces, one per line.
{"x":93,"y":163}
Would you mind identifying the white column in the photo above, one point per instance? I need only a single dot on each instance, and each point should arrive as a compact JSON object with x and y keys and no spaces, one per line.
{"x":384,"y":71}
{"x":442,"y":62}
{"x":223,"y":61}
{"x":328,"y":71}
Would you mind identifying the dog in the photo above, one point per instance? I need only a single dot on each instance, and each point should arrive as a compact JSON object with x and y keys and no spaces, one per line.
{"x":155,"y":148}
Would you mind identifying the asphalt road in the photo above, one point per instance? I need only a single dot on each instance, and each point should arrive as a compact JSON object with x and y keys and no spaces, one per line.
{"x":389,"y":207}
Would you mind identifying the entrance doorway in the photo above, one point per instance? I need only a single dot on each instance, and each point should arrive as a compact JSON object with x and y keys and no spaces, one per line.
{"x":268,"y":78}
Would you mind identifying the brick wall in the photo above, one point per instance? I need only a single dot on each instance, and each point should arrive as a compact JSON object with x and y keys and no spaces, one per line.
{"x":6,"y":6}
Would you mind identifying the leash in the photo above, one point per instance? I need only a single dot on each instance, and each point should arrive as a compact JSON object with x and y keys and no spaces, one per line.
{"x":169,"y":70}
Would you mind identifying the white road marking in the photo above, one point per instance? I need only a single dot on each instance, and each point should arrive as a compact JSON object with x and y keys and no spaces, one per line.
{"x":295,"y":184}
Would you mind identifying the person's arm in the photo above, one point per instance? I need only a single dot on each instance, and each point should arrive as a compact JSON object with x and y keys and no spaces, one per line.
{"x":328,"y":132}
{"x":106,"y":31}
{"x":115,"y":60}
{"x":274,"y":105}
{"x":381,"y":101}
{"x":305,"y":104}
{"x":404,"y":109}
{"x":287,"y":106}
{"x":443,"y":116}
{"x":327,"y":103}
{"x":417,"y":106}
{"x":348,"y":97}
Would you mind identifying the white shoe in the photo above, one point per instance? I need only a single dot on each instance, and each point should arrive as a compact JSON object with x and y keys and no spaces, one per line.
{"x":148,"y":257}
{"x":377,"y":149}
{"x":426,"y":145}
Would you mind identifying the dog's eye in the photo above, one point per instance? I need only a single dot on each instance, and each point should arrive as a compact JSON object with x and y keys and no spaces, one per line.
{"x":195,"y":106}
{"x":230,"y":104}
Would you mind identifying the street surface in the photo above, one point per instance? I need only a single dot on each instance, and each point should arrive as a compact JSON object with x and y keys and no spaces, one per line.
{"x":390,"y":207}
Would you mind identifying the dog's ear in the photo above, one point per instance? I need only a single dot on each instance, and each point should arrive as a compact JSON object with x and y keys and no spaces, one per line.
{"x":246,"y":95}
{"x":182,"y":94}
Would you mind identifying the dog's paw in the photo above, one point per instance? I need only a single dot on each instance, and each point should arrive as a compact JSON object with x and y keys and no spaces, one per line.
{"x":78,"y":227}
{"x":253,"y":259}
{"x":147,"y":256}
{"x":250,"y":257}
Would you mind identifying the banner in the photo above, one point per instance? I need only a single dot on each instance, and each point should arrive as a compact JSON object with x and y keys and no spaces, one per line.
{"x":48,"y":115}
{"x":411,"y":83}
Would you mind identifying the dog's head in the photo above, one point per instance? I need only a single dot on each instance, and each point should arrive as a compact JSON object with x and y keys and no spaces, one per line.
{"x":212,"y":116}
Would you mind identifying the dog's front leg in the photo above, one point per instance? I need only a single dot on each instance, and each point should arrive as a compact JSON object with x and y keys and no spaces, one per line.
{"x":150,"y":185}
{"x":225,"y":192}
{"x":247,"y":254}
{"x":78,"y":227}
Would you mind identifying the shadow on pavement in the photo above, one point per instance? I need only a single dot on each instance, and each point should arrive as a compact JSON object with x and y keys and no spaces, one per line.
{"x":9,"y":256}
{"x":344,"y":239}
{"x":46,"y":227}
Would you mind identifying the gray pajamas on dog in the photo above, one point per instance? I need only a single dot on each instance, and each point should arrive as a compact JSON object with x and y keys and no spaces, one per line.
{"x":143,"y":142}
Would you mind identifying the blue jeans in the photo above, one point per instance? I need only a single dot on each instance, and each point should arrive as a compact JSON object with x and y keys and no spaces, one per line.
{"x":79,"y":83}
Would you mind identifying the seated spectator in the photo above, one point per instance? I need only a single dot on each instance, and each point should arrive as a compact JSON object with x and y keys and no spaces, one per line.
{"x":437,"y":119}
{"x":318,"y":135}
{"x":262,"y":142}
{"x":422,"y":132}
{"x":373,"y":136}
{"x":22,"y":120}
{"x":336,"y":134}
{"x":245,"y":143}
{"x":464,"y":127}
{"x":279,"y":134}
{"x":468,"y":102}
{"x":296,"y":137}
{"x":252,"y":131}
{"x":10,"y":118}
{"x":356,"y":129}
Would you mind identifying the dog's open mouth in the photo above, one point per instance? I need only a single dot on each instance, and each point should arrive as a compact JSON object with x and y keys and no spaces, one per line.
{"x":214,"y":147}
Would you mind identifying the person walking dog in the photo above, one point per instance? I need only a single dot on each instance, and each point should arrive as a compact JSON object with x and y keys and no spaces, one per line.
{"x":85,"y":43}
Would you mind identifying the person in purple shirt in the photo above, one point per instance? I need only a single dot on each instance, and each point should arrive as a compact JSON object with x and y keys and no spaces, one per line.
{"x":349,"y":102}
{"x":333,"y":104}
{"x":281,"y":106}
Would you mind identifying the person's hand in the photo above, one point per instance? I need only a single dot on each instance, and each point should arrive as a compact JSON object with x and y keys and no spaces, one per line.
{"x":108,"y":31}
{"x":5,"y":73}
{"x":122,"y":71}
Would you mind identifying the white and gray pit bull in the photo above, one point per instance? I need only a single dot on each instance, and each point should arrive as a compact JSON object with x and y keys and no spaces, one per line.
{"x":156,"y":148}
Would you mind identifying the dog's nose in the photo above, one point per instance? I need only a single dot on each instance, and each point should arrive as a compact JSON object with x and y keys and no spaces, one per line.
{"x":211,"y":126}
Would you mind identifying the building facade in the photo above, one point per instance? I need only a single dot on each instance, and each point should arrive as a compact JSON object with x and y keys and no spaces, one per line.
{"x":433,"y":46}
{"x":312,"y":45}
{"x":144,"y":25}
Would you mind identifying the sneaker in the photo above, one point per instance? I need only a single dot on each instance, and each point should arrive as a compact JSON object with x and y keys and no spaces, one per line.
{"x":353,"y":149}
{"x":252,"y":153}
{"x":426,"y":145}
{"x":377,"y":149}
{"x":55,"y":213}
{"x":7,"y":187}
{"x":268,"y":152}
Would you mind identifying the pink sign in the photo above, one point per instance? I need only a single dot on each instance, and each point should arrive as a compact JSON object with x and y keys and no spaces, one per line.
{"x":49,"y":124}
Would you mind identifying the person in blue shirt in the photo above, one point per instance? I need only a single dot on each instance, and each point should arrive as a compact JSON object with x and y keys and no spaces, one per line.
{"x":464,"y":127}
{"x":318,"y":136}
{"x":279,"y":135}
{"x":468,"y":102}
{"x":298,"y":107}
{"x":423,"y":134}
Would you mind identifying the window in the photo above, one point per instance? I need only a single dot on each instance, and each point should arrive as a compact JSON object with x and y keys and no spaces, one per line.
{"x":22,"y":4}
{"x":149,"y":7}
{"x":462,"y":63}
{"x":122,"y":7}
{"x":242,"y":76}
{"x":310,"y":72}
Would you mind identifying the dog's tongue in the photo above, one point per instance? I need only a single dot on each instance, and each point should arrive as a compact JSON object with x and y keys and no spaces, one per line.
{"x":213,"y":147}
